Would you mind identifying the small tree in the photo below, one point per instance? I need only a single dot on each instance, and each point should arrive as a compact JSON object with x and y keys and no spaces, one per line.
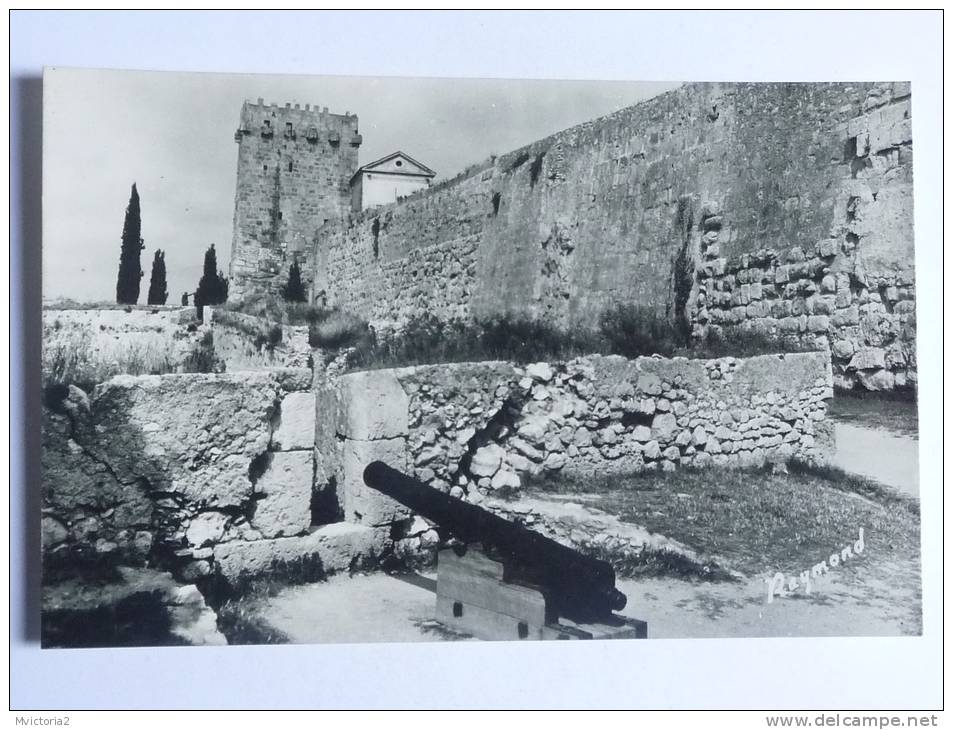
{"x":213,"y":287}
{"x":158,"y":292}
{"x":294,"y":291}
{"x":130,"y":267}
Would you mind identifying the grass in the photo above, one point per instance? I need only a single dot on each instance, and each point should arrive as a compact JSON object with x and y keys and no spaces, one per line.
{"x":261,"y":332}
{"x":70,"y":359}
{"x":755,"y":521}
{"x":627,"y":330}
{"x":202,"y":357}
{"x":339,"y":329}
{"x":623,"y":330}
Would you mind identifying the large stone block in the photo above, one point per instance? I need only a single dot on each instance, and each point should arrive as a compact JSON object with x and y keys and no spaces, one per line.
{"x":867,"y":358}
{"x":362,"y":504}
{"x":285,"y":507}
{"x":328,"y":549}
{"x":664,"y":426}
{"x":295,"y":429}
{"x":374,"y":406}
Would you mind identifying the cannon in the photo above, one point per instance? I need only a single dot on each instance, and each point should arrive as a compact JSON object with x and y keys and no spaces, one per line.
{"x":502,"y":576}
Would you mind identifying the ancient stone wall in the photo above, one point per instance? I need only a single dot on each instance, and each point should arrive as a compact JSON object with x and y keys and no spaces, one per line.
{"x":611,"y":212}
{"x":821,"y":297}
{"x":475,"y":429}
{"x":206,"y":475}
{"x":294,"y":168}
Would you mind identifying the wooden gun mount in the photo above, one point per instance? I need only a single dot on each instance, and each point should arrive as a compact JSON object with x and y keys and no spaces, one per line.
{"x":507,"y":581}
{"x":483,"y":596}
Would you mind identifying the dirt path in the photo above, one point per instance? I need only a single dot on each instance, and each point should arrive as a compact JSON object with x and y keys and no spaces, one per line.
{"x":869,"y":597}
{"x":375,"y":607}
{"x":859,"y":600}
{"x":889,"y":458}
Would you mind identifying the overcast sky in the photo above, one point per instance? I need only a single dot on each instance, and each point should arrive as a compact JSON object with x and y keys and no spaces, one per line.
{"x":172,"y":134}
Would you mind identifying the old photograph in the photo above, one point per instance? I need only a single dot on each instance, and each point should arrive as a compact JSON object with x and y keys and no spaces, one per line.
{"x":332,"y":359}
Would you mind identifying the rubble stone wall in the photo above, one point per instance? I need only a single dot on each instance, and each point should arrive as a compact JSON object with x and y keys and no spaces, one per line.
{"x":474,"y":429}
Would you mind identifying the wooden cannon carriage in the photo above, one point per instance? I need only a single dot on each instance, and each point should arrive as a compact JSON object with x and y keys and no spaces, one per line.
{"x":504,"y":581}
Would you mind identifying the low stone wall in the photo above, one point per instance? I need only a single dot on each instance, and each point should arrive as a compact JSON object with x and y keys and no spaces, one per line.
{"x":204,"y":474}
{"x":152,"y":336}
{"x":476,"y":428}
{"x":245,"y":342}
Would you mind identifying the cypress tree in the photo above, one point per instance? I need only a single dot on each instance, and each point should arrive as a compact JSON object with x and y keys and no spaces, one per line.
{"x":294,"y":291}
{"x":158,"y":293}
{"x":130,"y":267}
{"x":213,"y":287}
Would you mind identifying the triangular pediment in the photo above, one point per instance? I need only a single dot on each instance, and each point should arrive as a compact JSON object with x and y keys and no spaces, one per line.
{"x":398,"y":162}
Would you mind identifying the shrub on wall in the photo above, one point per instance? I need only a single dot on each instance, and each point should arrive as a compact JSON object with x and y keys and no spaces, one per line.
{"x":202,"y":357}
{"x":337,"y":330}
{"x":625,"y":330}
{"x":277,"y":310}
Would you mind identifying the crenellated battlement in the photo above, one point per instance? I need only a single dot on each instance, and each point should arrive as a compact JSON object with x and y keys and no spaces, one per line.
{"x":311,"y":124}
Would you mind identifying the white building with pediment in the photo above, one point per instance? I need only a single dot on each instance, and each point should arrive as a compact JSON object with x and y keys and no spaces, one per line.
{"x":387,"y":179}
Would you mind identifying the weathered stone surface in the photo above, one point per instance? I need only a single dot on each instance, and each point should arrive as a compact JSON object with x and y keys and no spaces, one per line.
{"x":554,"y":461}
{"x":486,"y":460}
{"x":651,"y":450}
{"x":876,"y":380}
{"x":699,"y":436}
{"x":206,"y":528}
{"x":642,"y":433}
{"x":194,"y":434}
{"x":534,"y":429}
{"x":295,"y":429}
{"x":376,"y":405}
{"x":504,"y":478}
{"x":663,"y":426}
{"x":284,"y":507}
{"x":650,"y":384}
{"x":842,"y":348}
{"x":868,"y":358}
{"x":328,"y":549}
{"x":362,"y":504}
{"x":540,"y":371}
{"x":52,"y":531}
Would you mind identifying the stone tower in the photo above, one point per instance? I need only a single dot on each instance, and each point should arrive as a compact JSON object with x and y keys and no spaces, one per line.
{"x":294,"y":169}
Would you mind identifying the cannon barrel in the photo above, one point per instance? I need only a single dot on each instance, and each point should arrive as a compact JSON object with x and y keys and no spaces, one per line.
{"x":580,"y":586}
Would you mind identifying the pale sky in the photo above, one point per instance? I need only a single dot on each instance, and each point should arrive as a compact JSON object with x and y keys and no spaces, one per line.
{"x":172,"y":134}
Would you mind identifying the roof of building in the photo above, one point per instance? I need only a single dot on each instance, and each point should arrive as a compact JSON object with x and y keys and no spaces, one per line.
{"x":421,"y":171}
